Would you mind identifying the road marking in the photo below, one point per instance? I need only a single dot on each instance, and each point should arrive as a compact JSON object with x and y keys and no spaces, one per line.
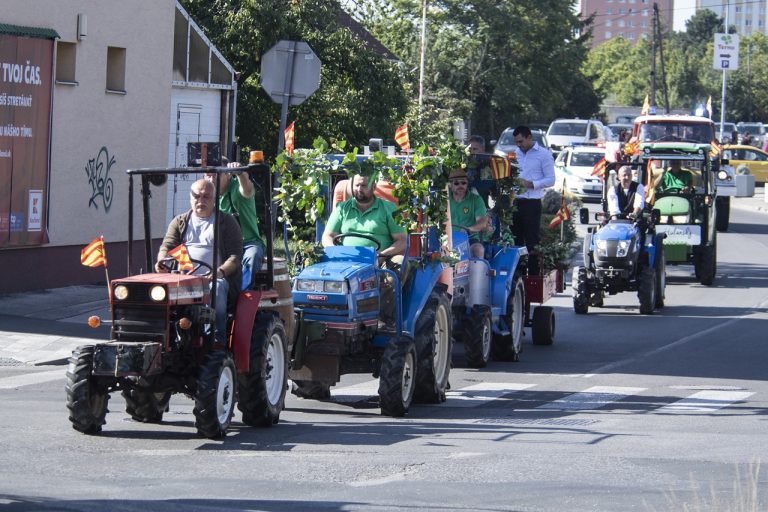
{"x":475,"y":395}
{"x":356,"y":392}
{"x":592,"y":398}
{"x":31,"y":378}
{"x":707,"y":401}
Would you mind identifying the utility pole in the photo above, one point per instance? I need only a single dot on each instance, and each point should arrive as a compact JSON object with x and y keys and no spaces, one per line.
{"x":749,"y":80}
{"x":725,"y":74}
{"x":661,"y":57}
{"x":422,"y":54}
{"x":652,"y":101}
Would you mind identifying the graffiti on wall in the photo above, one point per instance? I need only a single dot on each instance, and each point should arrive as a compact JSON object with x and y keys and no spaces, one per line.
{"x":97,"y":169}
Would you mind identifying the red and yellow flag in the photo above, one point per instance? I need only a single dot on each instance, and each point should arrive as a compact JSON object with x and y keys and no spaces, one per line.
{"x":599,"y":168}
{"x":716,"y":149}
{"x":289,"y":138}
{"x":500,"y":167}
{"x":401,"y":137}
{"x":561,"y":216}
{"x":94,"y":254}
{"x":181,"y":255}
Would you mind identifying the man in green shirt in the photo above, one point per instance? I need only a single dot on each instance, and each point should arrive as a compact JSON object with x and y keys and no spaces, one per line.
{"x":676,"y":179}
{"x":237,"y":196}
{"x":468,"y":211}
{"x":368,"y":215}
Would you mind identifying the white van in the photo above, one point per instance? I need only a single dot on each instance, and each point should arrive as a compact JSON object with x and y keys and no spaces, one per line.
{"x":564,"y":132}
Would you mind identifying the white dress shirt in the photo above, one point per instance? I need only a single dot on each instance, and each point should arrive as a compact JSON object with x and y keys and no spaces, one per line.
{"x":538,"y":167}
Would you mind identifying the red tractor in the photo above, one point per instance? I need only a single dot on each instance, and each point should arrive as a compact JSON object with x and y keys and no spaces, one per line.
{"x":163,"y":337}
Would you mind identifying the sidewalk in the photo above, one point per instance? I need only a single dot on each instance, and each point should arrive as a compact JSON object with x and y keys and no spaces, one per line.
{"x":43,"y":327}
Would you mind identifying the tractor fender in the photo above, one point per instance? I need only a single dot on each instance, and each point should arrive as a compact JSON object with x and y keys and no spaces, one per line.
{"x":416,"y":295}
{"x":506,"y":265}
{"x":245,"y":316}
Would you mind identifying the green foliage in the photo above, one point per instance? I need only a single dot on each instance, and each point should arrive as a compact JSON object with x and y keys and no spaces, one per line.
{"x":555,"y":244}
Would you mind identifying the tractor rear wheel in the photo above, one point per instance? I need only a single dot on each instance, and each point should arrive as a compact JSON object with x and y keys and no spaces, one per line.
{"x":87,"y":403}
{"x":433,"y":349}
{"x":311,"y":389}
{"x":262,"y":389}
{"x":508,"y":347}
{"x":646,"y":290}
{"x":146,"y":406}
{"x":543,"y":325}
{"x":661,"y":274}
{"x":215,"y":395}
{"x":477,"y":336}
{"x":580,"y":292}
{"x":397,"y":376}
{"x":706,"y":264}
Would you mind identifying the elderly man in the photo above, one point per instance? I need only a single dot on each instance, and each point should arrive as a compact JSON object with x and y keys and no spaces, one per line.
{"x":195,"y":230}
{"x":627,"y":198}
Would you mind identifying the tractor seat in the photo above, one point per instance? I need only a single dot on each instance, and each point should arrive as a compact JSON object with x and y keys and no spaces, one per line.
{"x":674,"y":209}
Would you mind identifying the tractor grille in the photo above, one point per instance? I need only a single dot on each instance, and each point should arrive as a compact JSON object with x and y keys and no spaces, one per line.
{"x":140,"y":324}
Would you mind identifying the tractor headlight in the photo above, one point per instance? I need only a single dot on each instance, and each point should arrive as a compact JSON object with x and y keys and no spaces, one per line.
{"x":679,"y":219}
{"x":334,"y":286}
{"x":602,"y":248}
{"x":305,"y":285}
{"x":121,"y":292}
{"x":157,"y":293}
{"x":622,"y":248}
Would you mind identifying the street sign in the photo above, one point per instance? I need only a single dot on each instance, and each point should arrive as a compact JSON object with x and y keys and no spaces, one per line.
{"x":726,"y":52}
{"x":290,"y":69}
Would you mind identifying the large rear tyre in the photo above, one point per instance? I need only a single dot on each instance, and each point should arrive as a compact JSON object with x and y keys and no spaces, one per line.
{"x":477,"y":337}
{"x":146,"y":406}
{"x":215,"y":395}
{"x":706,"y":264}
{"x":433,"y":349}
{"x":397,"y":377}
{"x":661,"y":274}
{"x":311,"y":389}
{"x":262,"y":389}
{"x":543,"y":325}
{"x":508,"y":347}
{"x":87,"y":403}
{"x":580,"y":292}
{"x":722,"y":213}
{"x":646,"y":290}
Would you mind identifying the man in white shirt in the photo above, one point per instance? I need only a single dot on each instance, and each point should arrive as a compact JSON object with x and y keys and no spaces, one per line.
{"x":627,"y":199}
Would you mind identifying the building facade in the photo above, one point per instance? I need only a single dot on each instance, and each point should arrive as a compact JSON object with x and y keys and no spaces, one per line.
{"x":630,"y":19}
{"x":748,"y":16}
{"x":128,"y":83}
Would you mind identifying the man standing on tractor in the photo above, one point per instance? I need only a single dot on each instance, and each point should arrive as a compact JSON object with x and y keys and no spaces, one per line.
{"x":195,"y":229}
{"x":237,"y":196}
{"x":627,"y":198}
{"x":468,"y":211}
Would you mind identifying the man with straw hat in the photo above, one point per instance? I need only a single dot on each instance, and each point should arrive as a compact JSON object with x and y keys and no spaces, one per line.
{"x":468,"y":211}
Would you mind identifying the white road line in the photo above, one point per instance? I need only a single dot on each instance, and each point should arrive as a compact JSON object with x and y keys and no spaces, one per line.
{"x":31,"y":378}
{"x":475,"y":395}
{"x":592,"y":398}
{"x":356,"y":392}
{"x":707,"y":401}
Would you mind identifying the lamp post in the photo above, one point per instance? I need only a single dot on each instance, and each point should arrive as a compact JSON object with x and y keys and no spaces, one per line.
{"x":423,"y":52}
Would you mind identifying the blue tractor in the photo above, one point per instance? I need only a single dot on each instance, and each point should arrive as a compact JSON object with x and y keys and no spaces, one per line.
{"x":344,"y":323}
{"x":620,"y":255}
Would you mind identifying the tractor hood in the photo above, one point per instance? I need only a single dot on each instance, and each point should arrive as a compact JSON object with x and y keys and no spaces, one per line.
{"x":616,"y":230}
{"x":332,"y":270}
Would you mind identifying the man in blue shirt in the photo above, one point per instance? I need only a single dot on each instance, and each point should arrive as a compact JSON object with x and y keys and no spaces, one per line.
{"x":537,"y":172}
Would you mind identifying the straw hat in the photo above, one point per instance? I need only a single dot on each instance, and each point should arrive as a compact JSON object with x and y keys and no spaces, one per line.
{"x":458,"y":173}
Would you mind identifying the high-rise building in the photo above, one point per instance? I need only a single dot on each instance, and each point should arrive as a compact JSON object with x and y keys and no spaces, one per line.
{"x":630,"y":19}
{"x":748,"y":16}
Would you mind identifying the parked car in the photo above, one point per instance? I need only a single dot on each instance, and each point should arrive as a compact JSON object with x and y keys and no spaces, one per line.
{"x":564,"y":132}
{"x":506,"y":143}
{"x":749,"y":158}
{"x":618,"y":127}
{"x":726,"y":136}
{"x":755,"y":130}
{"x":573,"y":171}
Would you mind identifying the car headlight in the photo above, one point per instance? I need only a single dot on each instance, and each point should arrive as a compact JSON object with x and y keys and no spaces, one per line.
{"x":121,"y":292}
{"x":602,"y":247}
{"x":334,"y":286}
{"x":622,"y":248}
{"x":305,"y":285}
{"x":157,"y":293}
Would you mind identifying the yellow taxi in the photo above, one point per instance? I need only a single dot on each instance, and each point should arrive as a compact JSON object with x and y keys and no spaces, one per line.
{"x":741,"y":156}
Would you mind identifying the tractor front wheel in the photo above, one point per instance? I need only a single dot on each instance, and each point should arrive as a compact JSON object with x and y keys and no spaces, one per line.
{"x":508,"y":347}
{"x":477,"y":336}
{"x":433,"y":349}
{"x":215,"y":395}
{"x":397,"y":377}
{"x":146,"y":406}
{"x":580,"y":292}
{"x":646,"y":290}
{"x":87,"y":403}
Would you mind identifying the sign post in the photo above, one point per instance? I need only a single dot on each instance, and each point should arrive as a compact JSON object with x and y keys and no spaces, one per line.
{"x":725,"y":56}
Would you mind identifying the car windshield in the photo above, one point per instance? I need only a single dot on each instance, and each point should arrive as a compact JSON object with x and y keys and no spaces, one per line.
{"x":676,"y":131}
{"x":568,"y":129}
{"x":507,"y":139}
{"x":585,"y":159}
{"x":751,"y":128}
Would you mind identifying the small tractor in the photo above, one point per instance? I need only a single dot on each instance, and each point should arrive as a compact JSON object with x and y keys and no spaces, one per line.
{"x":163,"y":338}
{"x":620,"y":255}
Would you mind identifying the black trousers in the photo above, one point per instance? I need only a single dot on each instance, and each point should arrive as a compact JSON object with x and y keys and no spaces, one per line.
{"x":526,"y":228}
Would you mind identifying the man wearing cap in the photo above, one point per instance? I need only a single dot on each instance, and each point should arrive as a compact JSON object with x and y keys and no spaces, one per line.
{"x":537,"y":172}
{"x":368,"y":215}
{"x":237,"y":196}
{"x":468,"y":211}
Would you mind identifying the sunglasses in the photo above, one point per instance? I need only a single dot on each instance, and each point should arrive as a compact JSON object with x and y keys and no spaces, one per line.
{"x":459,"y":182}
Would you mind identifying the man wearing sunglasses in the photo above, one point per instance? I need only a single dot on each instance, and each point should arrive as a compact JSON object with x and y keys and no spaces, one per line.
{"x":468,"y":211}
{"x":537,"y":172}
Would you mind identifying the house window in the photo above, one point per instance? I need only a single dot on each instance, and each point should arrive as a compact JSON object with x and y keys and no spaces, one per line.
{"x":608,"y":34}
{"x":115,"y":69}
{"x":66,"y":60}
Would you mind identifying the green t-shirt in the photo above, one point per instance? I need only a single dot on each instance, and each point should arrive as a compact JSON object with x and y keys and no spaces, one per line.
{"x":376,"y":221}
{"x":232,"y":201}
{"x":465,"y":212}
{"x":672,"y":182}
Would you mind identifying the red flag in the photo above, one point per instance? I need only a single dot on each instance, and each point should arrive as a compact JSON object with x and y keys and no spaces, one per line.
{"x":93,"y":254}
{"x":599,"y":168}
{"x":181,"y":255}
{"x":500,"y":167}
{"x":401,"y":137}
{"x":289,"y":133}
{"x":715,"y":149}
{"x":562,"y":215}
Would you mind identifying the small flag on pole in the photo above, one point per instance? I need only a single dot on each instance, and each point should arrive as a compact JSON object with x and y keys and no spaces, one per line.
{"x":289,"y":140}
{"x":500,"y":167}
{"x":716,"y":149}
{"x":562,"y":214}
{"x":181,"y":255}
{"x":646,"y":106}
{"x":93,"y":254}
{"x":401,"y":137}
{"x":599,"y":168}
{"x":709,"y":107}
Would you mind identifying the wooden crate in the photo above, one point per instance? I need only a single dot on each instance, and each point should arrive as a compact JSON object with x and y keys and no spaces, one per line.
{"x":540,"y":288}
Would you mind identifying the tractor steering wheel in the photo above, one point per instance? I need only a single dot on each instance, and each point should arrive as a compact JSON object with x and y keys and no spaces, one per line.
{"x":338,"y":238}
{"x":170,"y":263}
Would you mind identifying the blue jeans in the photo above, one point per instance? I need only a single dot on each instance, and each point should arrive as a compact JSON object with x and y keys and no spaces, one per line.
{"x":222,"y":289}
{"x":253,"y":255}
